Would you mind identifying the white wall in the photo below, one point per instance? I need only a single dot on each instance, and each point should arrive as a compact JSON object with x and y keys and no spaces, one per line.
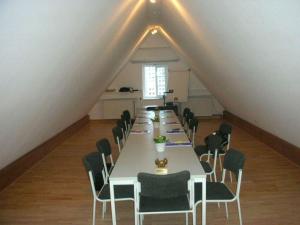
{"x":56,"y":58}
{"x":247,"y":54}
{"x":156,"y":48}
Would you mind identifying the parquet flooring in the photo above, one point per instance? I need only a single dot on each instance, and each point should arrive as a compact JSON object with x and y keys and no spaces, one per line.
{"x":57,"y":191}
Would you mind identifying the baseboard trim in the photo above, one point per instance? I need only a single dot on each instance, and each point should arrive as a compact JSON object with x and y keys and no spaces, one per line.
{"x":104,"y":121}
{"x":285,"y":148}
{"x":12,"y":171}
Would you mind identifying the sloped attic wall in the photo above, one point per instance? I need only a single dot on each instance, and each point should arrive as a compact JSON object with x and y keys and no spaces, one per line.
{"x":247,"y":53}
{"x":56,"y":58}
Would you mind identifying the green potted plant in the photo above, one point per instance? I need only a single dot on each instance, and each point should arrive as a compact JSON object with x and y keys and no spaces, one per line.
{"x":160,"y":142}
{"x":156,"y":121}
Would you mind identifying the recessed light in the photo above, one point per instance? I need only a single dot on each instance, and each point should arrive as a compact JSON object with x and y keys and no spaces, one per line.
{"x":154,"y":31}
{"x":153,"y":1}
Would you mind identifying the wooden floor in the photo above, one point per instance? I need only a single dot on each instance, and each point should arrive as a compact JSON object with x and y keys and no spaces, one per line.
{"x":56,"y":190}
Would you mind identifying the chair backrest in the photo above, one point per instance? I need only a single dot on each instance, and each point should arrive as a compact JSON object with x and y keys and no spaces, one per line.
{"x":234,"y":161}
{"x":193,"y":124}
{"x":125,"y":121}
{"x":127,"y":116}
{"x":117,"y":133}
{"x":213,"y":142}
{"x":164,"y":186}
{"x":121,"y":124}
{"x":185,"y":112}
{"x":93,"y":162}
{"x":225,"y":129}
{"x":189,"y":117}
{"x":104,"y":147}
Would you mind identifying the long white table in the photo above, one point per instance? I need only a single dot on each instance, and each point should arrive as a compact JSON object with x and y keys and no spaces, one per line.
{"x":139,"y":154}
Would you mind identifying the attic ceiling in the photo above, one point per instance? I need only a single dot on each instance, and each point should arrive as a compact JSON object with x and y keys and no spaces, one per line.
{"x":57,"y":57}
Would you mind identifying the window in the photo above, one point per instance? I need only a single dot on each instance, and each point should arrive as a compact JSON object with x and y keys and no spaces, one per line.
{"x":155,"y":79}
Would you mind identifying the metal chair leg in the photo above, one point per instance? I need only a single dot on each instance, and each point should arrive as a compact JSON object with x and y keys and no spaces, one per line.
{"x":226,"y":209}
{"x":103,"y":209}
{"x":220,"y":162}
{"x":230,"y":174}
{"x":141,"y":218}
{"x":94,"y":212}
{"x":186,"y":218}
{"x":240,"y":212}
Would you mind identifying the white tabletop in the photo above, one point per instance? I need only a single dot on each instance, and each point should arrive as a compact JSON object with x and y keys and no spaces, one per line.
{"x":139,"y":152}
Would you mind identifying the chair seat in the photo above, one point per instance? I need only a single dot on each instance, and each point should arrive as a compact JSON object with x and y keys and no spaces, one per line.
{"x":149,"y":204}
{"x":214,"y":191}
{"x":121,"y":192}
{"x":206,"y":166}
{"x":201,"y":149}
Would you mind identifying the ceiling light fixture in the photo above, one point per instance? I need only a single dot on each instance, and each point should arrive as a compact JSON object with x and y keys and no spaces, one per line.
{"x":154,"y":31}
{"x":153,"y":1}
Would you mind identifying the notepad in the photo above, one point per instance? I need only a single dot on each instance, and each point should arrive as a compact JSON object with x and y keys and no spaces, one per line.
{"x":175,"y":131}
{"x":140,"y":131}
{"x":164,"y":117}
{"x":178,"y":143}
{"x":143,"y":117}
{"x":171,"y":122}
{"x":142,"y":123}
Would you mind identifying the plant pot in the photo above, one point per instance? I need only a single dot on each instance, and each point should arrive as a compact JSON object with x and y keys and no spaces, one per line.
{"x":156,"y":124}
{"x":160,"y":147}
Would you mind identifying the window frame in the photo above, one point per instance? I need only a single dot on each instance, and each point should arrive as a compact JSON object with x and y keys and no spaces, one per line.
{"x":156,"y":83}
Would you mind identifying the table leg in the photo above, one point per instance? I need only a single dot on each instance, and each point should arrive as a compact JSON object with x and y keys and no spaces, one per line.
{"x":192,"y":200}
{"x":112,"y":200}
{"x":136,"y":216}
{"x":204,"y":202}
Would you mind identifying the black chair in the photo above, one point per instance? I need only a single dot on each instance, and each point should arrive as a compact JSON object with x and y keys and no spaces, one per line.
{"x":211,"y":148}
{"x":128,"y":118}
{"x":218,"y":191}
{"x":100,"y":188}
{"x":118,"y":137}
{"x":193,"y":127}
{"x":188,"y":118}
{"x":122,"y":124}
{"x":104,"y":149}
{"x":127,"y":126}
{"x":224,"y":132}
{"x":184,"y":115}
{"x":163,"y":194}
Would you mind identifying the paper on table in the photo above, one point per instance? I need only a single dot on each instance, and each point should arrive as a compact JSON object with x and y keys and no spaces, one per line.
{"x":143,"y":122}
{"x":175,"y":131}
{"x":143,"y":117}
{"x":140,"y":131}
{"x":171,"y":122}
{"x":178,"y":143}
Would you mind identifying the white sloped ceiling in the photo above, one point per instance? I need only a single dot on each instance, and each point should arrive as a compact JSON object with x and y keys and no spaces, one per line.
{"x":248,"y":55}
{"x":56,"y":58}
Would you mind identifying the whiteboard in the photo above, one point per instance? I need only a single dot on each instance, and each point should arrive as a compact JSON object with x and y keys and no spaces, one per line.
{"x":179,"y":82}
